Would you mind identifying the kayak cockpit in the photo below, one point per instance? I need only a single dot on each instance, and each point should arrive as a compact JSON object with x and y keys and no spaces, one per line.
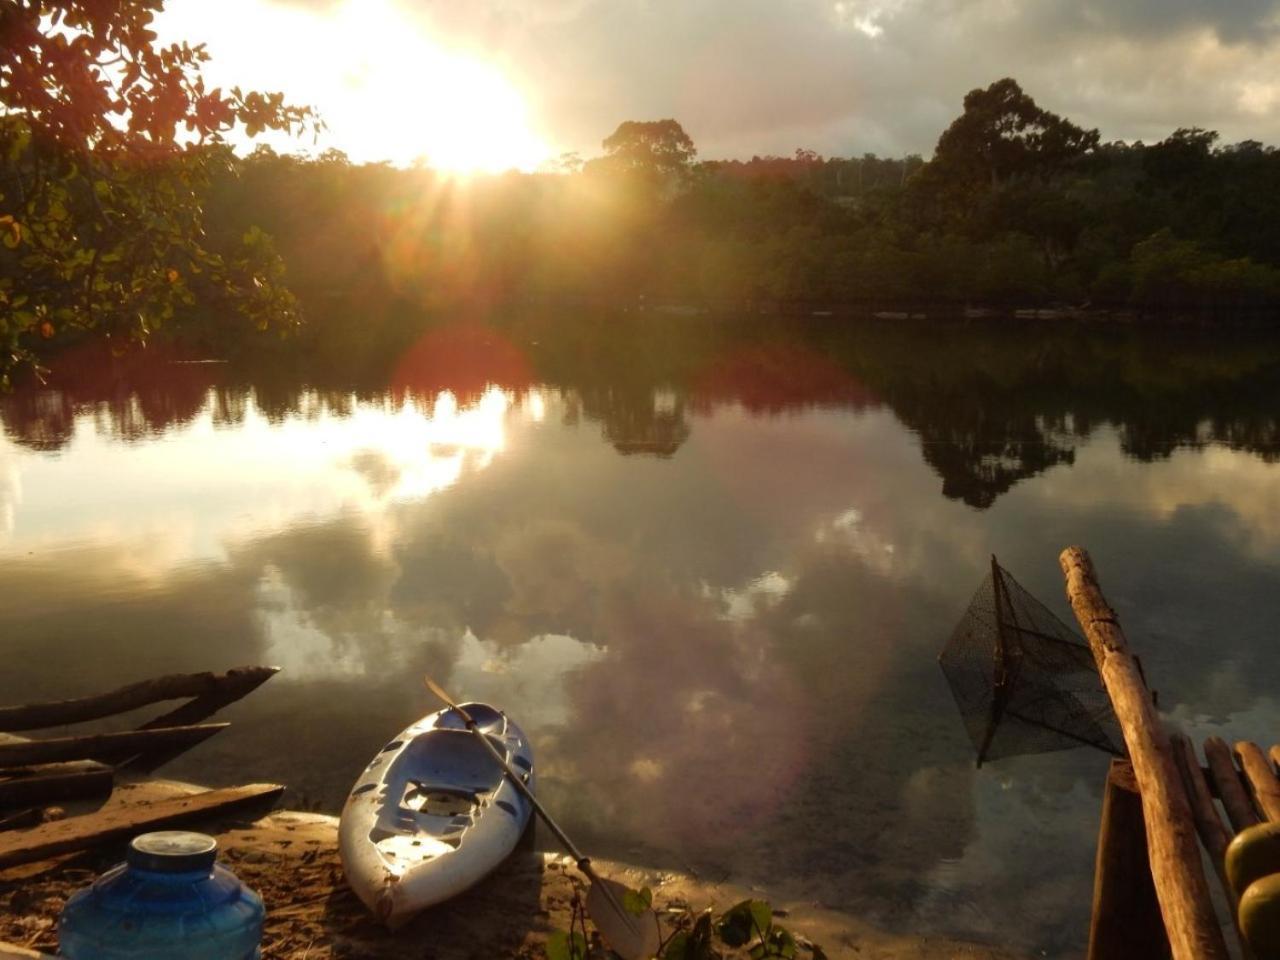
{"x":435,"y":790}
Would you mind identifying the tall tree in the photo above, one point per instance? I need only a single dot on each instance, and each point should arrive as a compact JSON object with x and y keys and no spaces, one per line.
{"x":1004,"y":134}
{"x":106,"y":141}
{"x":659,"y":146}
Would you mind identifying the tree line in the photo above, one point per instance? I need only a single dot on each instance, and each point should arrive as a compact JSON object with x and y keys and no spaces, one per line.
{"x":1017,"y":208}
{"x":123,"y":210}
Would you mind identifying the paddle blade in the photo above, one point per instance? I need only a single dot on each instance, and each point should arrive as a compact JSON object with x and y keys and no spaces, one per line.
{"x":631,"y":936}
{"x":435,"y":688}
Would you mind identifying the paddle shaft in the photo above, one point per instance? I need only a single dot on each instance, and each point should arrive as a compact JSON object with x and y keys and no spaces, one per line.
{"x":584,"y":863}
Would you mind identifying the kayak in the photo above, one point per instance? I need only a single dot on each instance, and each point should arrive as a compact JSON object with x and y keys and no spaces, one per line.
{"x":434,"y":813}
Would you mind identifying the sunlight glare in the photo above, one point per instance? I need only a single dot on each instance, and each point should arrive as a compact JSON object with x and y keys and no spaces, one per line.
{"x":386,"y":89}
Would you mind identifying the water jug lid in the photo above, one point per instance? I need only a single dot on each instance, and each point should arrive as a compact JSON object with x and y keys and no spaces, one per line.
{"x":172,"y":851}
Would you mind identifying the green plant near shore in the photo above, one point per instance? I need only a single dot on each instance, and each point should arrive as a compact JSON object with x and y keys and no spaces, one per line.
{"x":747,"y":929}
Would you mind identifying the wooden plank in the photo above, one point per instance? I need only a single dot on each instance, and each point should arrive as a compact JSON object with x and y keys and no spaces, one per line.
{"x":1261,"y":778}
{"x":1235,"y":800}
{"x":80,"y":833}
{"x":34,"y":716}
{"x":45,"y":783}
{"x":104,"y":746}
{"x":11,"y":951}
{"x":1126,"y":923}
{"x":1181,"y":887}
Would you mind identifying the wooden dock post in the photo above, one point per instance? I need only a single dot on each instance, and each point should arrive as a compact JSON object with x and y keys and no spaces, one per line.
{"x":1174,"y":851}
{"x":1126,"y":921}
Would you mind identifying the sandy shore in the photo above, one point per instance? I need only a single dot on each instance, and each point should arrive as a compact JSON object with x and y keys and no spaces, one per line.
{"x":291,"y":859}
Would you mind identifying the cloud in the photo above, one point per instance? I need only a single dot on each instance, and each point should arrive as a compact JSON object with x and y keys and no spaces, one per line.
{"x":846,"y":76}
{"x":1236,"y":21}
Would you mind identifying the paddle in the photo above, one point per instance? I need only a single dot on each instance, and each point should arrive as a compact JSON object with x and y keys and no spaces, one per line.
{"x":632,"y":936}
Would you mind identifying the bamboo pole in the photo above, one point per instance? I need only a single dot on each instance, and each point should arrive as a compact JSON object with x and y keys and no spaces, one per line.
{"x":1263,"y":780}
{"x":1174,"y":851}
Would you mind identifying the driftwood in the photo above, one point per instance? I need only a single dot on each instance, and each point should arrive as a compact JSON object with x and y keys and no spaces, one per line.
{"x":206,"y":687}
{"x":1227,"y":780}
{"x":1174,"y":851}
{"x":1126,"y":916}
{"x":104,"y":747}
{"x":45,"y":783}
{"x":80,"y":833}
{"x":1262,"y":779}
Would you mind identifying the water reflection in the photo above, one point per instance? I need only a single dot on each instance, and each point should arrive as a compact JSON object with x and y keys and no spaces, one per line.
{"x":723,"y":642}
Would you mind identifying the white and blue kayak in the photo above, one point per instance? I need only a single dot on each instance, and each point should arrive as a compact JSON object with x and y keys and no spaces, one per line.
{"x":434,"y":813}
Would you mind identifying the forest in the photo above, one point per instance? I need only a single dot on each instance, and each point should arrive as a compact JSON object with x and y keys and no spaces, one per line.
{"x":124,"y":229}
{"x":1017,"y":208}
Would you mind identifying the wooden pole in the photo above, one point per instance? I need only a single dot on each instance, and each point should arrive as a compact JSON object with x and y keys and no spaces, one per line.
{"x":1126,"y":921}
{"x":103,"y":746}
{"x":45,"y":783}
{"x":1002,"y":682}
{"x":1263,"y":780}
{"x":1180,"y":883}
{"x":34,"y":716}
{"x":1227,"y":779}
{"x":1213,"y":832}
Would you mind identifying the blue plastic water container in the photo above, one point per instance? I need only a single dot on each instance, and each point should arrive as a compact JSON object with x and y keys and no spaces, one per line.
{"x":169,"y":900}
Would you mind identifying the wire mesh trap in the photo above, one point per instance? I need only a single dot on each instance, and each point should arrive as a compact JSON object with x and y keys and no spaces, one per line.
{"x":1024,"y":681}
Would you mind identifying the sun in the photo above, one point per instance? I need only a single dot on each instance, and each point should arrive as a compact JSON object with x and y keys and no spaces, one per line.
{"x":386,"y":88}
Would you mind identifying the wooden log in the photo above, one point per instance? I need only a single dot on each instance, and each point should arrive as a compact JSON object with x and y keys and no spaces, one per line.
{"x":1213,"y":832}
{"x":80,"y":833}
{"x":45,"y":783}
{"x":1126,"y":922}
{"x":1261,"y":778}
{"x":104,"y":746}
{"x":34,"y":716}
{"x":21,"y":819}
{"x":235,"y":684}
{"x":1235,"y":800}
{"x":1180,"y":883}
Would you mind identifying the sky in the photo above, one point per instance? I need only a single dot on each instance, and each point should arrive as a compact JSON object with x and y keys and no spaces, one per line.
{"x":497,"y":83}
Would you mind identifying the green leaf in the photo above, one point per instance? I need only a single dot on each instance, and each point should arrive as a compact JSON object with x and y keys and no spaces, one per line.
{"x":566,"y":946}
{"x":636,"y":902}
{"x":778,"y":944}
{"x":744,"y":922}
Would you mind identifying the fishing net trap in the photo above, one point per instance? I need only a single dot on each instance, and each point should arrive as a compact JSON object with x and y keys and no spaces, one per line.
{"x":1024,"y":681}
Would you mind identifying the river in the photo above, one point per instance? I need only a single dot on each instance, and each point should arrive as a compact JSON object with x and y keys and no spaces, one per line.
{"x":708,"y":566}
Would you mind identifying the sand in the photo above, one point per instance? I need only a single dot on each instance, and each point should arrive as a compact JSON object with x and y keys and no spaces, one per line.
{"x":291,"y":859}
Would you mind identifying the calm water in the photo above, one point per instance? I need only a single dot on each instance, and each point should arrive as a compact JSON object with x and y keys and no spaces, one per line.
{"x":708,"y":568}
